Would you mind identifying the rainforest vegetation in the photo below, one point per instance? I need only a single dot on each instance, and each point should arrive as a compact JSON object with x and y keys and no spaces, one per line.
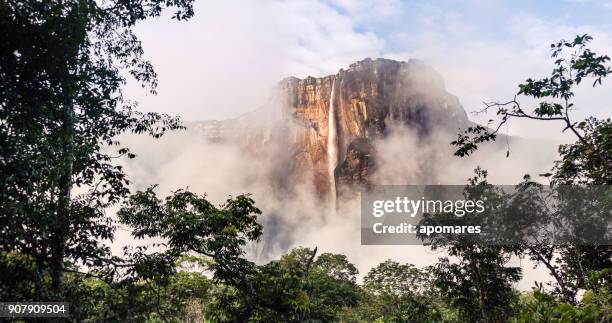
{"x":62,"y":68}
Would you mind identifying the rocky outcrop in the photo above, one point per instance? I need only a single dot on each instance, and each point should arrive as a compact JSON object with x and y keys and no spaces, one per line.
{"x":371,"y":97}
{"x":357,"y":168}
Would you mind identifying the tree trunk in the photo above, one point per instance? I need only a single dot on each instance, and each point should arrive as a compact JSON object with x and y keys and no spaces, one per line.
{"x":62,"y":219}
{"x":567,"y":294}
{"x":481,"y":292}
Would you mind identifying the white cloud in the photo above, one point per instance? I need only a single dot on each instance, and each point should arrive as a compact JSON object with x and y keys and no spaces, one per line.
{"x":478,"y":69}
{"x":319,"y":40}
{"x":225,"y":61}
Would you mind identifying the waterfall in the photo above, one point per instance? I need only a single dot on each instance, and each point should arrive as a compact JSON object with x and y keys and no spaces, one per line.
{"x":332,"y":148}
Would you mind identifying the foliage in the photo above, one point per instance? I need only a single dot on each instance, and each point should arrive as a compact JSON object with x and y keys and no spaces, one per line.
{"x":62,"y":66}
{"x":554,"y":95}
{"x":595,"y":305}
{"x":479,"y":286}
{"x":189,"y":223}
{"x":155,"y":300}
{"x":585,"y":162}
{"x":18,"y":276}
{"x":395,"y":292}
{"x":475,"y":279}
{"x":588,"y":160}
{"x":296,"y":288}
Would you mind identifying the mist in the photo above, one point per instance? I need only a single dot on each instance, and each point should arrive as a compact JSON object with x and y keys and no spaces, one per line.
{"x":296,"y":215}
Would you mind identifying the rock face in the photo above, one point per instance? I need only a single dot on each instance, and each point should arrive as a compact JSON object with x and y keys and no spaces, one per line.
{"x":358,"y":166}
{"x":371,"y":97}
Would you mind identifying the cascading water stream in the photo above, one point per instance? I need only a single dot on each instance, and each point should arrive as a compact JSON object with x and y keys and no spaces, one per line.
{"x":332,"y":148}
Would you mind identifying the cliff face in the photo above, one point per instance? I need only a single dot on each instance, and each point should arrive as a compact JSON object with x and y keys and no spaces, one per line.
{"x":370,"y":98}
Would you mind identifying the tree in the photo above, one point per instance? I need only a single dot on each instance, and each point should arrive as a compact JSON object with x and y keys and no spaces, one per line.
{"x":297,"y":287}
{"x":587,"y":161}
{"x":163,"y":299}
{"x":397,"y":292}
{"x":188,"y":223}
{"x":538,"y":306}
{"x":62,"y":67}
{"x":300,"y":287}
{"x":554,"y":93}
{"x":479,"y":284}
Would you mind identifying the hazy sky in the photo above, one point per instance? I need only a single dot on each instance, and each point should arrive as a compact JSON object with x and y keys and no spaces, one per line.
{"x":225,"y":60}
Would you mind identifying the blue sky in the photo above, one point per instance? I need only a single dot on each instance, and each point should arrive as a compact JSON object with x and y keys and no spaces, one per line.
{"x":489,"y":16}
{"x":224,"y":61}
